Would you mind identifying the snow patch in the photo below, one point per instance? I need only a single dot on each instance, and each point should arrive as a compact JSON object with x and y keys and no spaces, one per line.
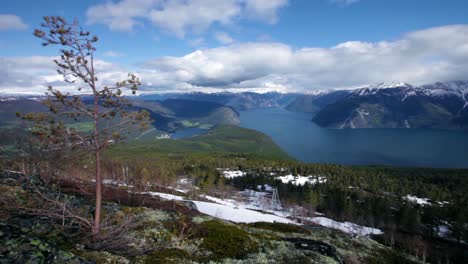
{"x":227,"y":209}
{"x":347,"y":227}
{"x":443,"y":231}
{"x":390,"y":85}
{"x":237,"y":214}
{"x":302,"y":180}
{"x":417,"y":200}
{"x":228,"y":174}
{"x":115,"y":182}
{"x":166,"y":196}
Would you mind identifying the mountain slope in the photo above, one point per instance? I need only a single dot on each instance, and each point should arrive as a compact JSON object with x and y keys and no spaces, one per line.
{"x":221,"y":139}
{"x":173,"y":114}
{"x":239,"y":101}
{"x":314,"y":102}
{"x":400,"y":105}
{"x":168,"y":115}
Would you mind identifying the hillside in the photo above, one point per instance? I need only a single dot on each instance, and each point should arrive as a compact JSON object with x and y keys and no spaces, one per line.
{"x":173,"y":114}
{"x":400,"y":105}
{"x":161,"y":230}
{"x":238,"y":101}
{"x":10,"y":106}
{"x":168,"y":115}
{"x":221,"y":139}
{"x":311,"y":103}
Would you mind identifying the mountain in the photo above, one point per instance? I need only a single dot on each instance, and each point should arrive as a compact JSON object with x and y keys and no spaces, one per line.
{"x":173,"y":114}
{"x":239,"y":101}
{"x":9,"y":106}
{"x":168,"y":115}
{"x":310,"y":103}
{"x":400,"y":105}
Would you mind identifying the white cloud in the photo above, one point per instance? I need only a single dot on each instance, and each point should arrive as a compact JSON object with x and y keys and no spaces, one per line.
{"x":32,"y":75}
{"x":181,"y":16}
{"x":223,"y":37}
{"x":434,"y":54}
{"x":120,"y":16}
{"x":11,"y":22}
{"x":265,"y":10}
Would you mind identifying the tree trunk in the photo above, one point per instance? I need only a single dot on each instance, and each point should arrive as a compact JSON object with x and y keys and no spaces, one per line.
{"x":97,"y":212}
{"x":97,"y":150}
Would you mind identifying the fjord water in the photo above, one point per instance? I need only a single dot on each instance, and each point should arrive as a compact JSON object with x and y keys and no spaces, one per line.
{"x":305,"y":141}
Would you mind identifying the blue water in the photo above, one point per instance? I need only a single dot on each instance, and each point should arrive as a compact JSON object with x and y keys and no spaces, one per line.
{"x":305,"y":141}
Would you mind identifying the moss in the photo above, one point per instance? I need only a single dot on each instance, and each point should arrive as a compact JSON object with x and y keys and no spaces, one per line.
{"x":224,"y":240}
{"x":280,"y":227}
{"x":169,"y":255}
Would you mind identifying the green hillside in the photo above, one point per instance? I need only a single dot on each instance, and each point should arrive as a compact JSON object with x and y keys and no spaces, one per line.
{"x":221,"y":139}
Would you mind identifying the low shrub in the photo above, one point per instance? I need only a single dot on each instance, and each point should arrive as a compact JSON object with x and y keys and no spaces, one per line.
{"x":224,"y":240}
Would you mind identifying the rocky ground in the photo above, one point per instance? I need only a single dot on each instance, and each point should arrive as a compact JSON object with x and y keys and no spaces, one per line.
{"x":141,"y":228}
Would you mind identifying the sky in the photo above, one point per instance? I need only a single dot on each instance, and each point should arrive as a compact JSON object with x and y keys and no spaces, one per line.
{"x":244,"y":45}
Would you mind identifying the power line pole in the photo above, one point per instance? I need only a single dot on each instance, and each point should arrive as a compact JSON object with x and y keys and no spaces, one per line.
{"x":275,"y":200}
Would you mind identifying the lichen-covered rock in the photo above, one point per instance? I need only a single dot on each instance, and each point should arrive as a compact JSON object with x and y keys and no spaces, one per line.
{"x":158,"y":235}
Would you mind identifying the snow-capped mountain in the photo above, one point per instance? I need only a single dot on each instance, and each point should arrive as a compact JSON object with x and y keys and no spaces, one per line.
{"x":453,"y":88}
{"x":445,"y":88}
{"x":400,"y":105}
{"x":382,"y":87}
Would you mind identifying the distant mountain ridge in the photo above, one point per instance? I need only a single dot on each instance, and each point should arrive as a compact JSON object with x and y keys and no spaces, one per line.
{"x":399,"y":105}
{"x":239,"y":101}
{"x":311,"y":103}
{"x":384,"y":105}
{"x":173,"y":114}
{"x":168,"y":115}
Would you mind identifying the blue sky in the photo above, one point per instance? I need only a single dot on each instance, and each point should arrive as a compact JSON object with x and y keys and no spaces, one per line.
{"x":208,"y":45}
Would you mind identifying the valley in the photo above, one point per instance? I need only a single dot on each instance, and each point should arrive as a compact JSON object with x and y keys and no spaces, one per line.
{"x":233,"y":132}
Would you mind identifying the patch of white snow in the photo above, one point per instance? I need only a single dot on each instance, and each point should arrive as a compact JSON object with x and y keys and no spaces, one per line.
{"x":417,"y":200}
{"x":346,"y":227}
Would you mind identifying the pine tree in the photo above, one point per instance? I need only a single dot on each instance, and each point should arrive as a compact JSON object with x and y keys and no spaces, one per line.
{"x":107,"y":109}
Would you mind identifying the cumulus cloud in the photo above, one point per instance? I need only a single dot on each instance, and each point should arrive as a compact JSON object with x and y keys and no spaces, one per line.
{"x":32,"y":75}
{"x":434,"y":54}
{"x":181,"y":16}
{"x":11,"y":22}
{"x":196,"y":15}
{"x":120,"y":16}
{"x":265,"y":10}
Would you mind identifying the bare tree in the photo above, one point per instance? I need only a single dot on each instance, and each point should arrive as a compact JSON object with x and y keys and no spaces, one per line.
{"x":105,"y":107}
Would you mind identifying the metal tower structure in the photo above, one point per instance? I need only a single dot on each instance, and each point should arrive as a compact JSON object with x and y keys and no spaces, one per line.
{"x":275,"y":200}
